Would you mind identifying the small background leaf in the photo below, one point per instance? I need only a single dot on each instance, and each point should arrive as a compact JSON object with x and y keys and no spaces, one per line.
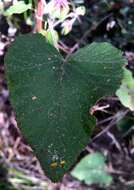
{"x":91,"y":170}
{"x":126,"y":91}
{"x":17,"y":8}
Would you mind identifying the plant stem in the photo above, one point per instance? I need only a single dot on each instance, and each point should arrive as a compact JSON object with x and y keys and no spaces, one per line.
{"x":39,"y":16}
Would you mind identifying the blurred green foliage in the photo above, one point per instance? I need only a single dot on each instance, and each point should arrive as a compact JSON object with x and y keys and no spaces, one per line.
{"x":4,"y":184}
{"x":105,"y":20}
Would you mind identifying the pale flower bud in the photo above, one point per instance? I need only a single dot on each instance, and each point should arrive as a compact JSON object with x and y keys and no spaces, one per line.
{"x":57,"y":8}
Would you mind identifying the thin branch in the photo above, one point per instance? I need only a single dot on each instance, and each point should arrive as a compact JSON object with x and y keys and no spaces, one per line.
{"x":115,"y":120}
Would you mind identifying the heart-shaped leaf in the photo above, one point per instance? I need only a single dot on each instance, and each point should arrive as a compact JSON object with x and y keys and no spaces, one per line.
{"x":52,"y":97}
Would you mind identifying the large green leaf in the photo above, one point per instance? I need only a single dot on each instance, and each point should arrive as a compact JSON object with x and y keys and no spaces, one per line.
{"x":52,"y":97}
{"x":92,"y":170}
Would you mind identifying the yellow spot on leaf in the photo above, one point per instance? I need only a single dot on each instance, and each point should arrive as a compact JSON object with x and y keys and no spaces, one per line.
{"x":53,"y":165}
{"x":62,"y":163}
